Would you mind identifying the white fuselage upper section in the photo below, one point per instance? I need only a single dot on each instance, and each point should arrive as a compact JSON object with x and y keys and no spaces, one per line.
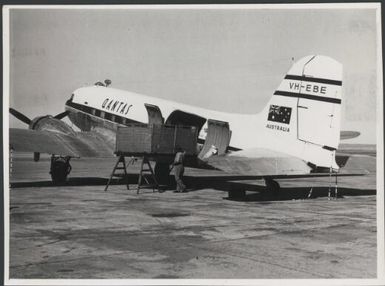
{"x":132,"y":106}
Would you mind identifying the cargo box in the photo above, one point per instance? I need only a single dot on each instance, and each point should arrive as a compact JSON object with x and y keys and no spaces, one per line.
{"x":156,"y":139}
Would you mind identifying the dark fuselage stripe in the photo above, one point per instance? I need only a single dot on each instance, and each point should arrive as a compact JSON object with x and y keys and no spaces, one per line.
{"x":314,"y":79}
{"x":308,"y":96}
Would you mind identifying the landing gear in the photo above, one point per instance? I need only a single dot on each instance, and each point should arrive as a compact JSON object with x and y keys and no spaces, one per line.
{"x":162,"y":172}
{"x":272,"y":186}
{"x":60,"y":168}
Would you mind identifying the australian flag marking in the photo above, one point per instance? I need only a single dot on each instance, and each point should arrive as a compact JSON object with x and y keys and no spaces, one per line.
{"x":279,"y":114}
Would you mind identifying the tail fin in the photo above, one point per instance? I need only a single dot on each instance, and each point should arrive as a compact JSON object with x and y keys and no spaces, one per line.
{"x":304,"y":114}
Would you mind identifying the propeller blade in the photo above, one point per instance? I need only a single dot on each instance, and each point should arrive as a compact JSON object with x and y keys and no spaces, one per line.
{"x":20,"y":116}
{"x":61,"y":115}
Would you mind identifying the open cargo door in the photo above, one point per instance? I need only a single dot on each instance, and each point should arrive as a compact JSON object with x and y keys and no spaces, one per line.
{"x":217,"y":139}
{"x":154,"y":114}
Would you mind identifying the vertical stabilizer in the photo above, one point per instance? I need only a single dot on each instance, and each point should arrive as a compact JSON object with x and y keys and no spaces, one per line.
{"x":304,"y":114}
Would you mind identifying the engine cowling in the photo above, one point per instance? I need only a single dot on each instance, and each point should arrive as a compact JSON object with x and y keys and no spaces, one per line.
{"x":50,"y":123}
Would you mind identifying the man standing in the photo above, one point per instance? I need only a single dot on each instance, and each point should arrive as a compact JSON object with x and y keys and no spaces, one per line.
{"x":179,"y":170}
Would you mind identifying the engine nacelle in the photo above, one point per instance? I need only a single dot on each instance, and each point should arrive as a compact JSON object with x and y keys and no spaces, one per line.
{"x":50,"y":123}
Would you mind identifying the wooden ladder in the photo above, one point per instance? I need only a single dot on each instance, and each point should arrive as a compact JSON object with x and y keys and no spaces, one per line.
{"x":143,"y":176}
{"x":121,"y":160}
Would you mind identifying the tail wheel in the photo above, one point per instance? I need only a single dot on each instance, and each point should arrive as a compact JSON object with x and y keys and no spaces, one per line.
{"x":60,"y":168}
{"x":272,"y":186}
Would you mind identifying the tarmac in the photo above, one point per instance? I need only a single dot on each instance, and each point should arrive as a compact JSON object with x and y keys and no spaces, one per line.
{"x":79,"y":231}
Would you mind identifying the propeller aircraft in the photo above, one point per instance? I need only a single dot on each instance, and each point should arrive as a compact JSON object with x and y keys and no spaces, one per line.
{"x":297,"y":134}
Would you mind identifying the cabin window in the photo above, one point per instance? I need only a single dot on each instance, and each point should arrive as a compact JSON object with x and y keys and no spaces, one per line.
{"x":108,"y":116}
{"x":118,"y":119}
{"x":97,"y":113}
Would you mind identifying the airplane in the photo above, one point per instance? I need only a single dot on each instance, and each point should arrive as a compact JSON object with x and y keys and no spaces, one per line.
{"x":297,"y":133}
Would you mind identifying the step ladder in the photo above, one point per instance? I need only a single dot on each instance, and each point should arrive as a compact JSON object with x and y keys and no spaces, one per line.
{"x":116,"y":172}
{"x":147,"y":175}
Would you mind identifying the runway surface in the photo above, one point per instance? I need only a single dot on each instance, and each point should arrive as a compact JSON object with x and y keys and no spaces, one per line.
{"x":80,"y":231}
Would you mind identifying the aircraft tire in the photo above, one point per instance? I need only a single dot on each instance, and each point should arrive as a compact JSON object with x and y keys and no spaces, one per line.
{"x":272,"y":186}
{"x":60,"y":168}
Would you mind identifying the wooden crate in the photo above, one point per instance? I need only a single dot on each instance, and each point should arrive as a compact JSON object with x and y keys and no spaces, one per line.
{"x":156,"y":139}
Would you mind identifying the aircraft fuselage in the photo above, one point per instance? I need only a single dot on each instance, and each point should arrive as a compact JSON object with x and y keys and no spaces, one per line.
{"x":103,"y":109}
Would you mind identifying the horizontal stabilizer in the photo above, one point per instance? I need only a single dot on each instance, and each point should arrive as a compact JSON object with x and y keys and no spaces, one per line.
{"x":360,"y":163}
{"x":349,"y":134}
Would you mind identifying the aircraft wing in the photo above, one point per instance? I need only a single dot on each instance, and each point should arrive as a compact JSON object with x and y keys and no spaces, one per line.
{"x":267,"y":163}
{"x":84,"y":144}
{"x":259,"y":162}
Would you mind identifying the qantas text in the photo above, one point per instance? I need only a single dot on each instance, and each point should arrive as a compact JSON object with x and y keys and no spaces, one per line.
{"x":117,"y":106}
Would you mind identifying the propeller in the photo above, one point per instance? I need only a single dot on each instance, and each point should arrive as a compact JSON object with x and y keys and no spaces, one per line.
{"x":61,"y":115}
{"x":25,"y":119}
{"x":28,"y":121}
{"x":20,"y":116}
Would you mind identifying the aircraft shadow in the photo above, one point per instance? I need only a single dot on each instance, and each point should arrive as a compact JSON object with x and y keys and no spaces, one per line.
{"x":301,"y":193}
{"x":260,"y":193}
{"x":132,"y":179}
{"x":220,"y":183}
{"x":71,"y":182}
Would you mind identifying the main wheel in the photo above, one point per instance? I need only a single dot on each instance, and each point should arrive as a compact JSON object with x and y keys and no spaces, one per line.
{"x":60,"y":168}
{"x":272,"y":186}
{"x":162,"y":172}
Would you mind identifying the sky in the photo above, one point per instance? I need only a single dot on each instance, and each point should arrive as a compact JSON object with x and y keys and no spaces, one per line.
{"x":223,"y":59}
